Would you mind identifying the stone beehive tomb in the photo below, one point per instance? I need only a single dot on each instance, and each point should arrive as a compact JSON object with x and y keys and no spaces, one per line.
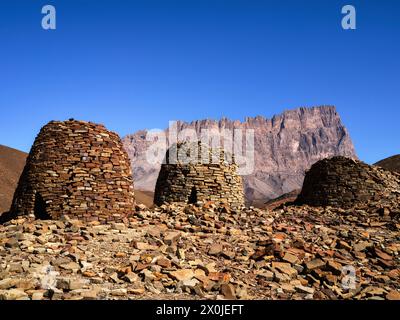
{"x":76,"y":168}
{"x":198,"y":181}
{"x":344,"y":182}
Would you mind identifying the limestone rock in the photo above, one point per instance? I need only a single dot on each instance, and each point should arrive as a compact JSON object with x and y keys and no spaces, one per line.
{"x":182,"y":275}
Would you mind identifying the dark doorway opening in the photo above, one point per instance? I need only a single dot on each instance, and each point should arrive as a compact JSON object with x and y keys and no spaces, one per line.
{"x":193,"y":196}
{"x":40,"y":208}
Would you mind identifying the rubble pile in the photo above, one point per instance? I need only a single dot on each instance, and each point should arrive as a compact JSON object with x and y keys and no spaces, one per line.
{"x":78,"y":168}
{"x":207,"y":251}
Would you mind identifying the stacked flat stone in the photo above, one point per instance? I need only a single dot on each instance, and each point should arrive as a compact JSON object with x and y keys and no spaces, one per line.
{"x":76,"y":168}
{"x":344,"y":182}
{"x":215,"y":181}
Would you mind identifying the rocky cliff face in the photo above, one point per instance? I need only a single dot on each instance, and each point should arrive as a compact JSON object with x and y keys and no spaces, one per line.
{"x":12,"y":163}
{"x":285,"y":147}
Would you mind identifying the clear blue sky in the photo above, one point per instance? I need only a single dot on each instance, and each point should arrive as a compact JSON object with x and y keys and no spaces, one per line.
{"x":138,"y":64}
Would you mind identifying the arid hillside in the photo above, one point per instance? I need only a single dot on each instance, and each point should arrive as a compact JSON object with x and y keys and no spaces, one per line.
{"x":12,"y":163}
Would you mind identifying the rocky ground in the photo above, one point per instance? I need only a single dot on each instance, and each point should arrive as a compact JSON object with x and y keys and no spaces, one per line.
{"x":205,"y":252}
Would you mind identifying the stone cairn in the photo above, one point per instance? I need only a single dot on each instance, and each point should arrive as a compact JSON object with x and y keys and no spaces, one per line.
{"x":78,"y":169}
{"x":197,"y":181}
{"x":343,"y":182}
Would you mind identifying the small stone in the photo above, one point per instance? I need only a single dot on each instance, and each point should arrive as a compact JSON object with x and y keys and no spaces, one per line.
{"x":164,"y":263}
{"x":137,"y":291}
{"x":143,"y":246}
{"x":291,"y":258}
{"x":210,"y":267}
{"x":25,"y":265}
{"x":37,"y":296}
{"x":228,"y":290}
{"x":72,"y":266}
{"x":382,"y":255}
{"x":227,"y":254}
{"x":375,"y":291}
{"x":335,"y":267}
{"x":220,"y":277}
{"x":345,"y":245}
{"x":16,"y":268}
{"x":281,"y":277}
{"x":69,"y":284}
{"x":89,"y":274}
{"x":285,"y":268}
{"x":181,"y":254}
{"x":90,"y":294}
{"x":182,"y":275}
{"x":267,"y":275}
{"x":171,"y":238}
{"x":60,"y":261}
{"x":26,"y":284}
{"x":120,"y":255}
{"x":148,"y":275}
{"x":11,"y":243}
{"x":13,"y":294}
{"x":242,"y":294}
{"x":114,"y":278}
{"x":131,"y":278}
{"x":384,"y":212}
{"x":394,"y":274}
{"x":360,"y":246}
{"x":118,"y":226}
{"x":199,"y":291}
{"x":190,"y":283}
{"x":8,"y":283}
{"x":119,"y":292}
{"x":287,"y":287}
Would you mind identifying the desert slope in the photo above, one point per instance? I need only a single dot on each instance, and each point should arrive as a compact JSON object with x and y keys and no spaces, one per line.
{"x":391,"y":163}
{"x":12,"y":163}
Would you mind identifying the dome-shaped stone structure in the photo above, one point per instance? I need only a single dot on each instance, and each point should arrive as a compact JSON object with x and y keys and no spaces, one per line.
{"x":197,"y":180}
{"x":76,"y":168}
{"x":344,"y":182}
